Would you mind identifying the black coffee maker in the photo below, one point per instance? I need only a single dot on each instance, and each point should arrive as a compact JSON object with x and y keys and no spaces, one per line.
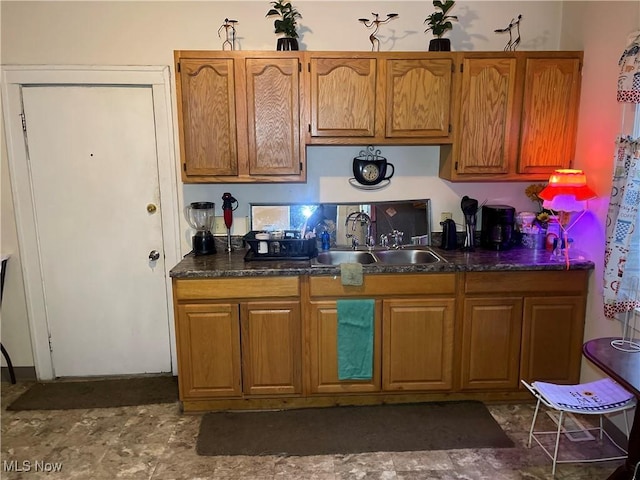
{"x":201,"y":216}
{"x":497,"y":227}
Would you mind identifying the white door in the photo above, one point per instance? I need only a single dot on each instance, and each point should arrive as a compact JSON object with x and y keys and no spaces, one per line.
{"x":96,"y":201}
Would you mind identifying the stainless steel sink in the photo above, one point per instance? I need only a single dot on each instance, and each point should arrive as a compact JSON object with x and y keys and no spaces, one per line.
{"x":405,"y":256}
{"x":336,"y":257}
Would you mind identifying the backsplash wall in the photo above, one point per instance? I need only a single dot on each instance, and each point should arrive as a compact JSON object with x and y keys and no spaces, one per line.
{"x":329,"y":170}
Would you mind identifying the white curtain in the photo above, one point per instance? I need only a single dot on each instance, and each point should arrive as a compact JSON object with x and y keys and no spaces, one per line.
{"x":622,"y":249}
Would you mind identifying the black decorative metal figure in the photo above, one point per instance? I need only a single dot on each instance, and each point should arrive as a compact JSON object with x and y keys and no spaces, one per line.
{"x":375,"y":43}
{"x":230,"y":34}
{"x":512,"y":44}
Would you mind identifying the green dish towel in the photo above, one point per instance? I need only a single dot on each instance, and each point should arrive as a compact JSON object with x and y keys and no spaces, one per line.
{"x":355,"y":339}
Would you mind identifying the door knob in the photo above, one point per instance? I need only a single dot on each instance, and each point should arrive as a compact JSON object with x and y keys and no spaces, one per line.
{"x":151,"y":208}
{"x":154,"y":255}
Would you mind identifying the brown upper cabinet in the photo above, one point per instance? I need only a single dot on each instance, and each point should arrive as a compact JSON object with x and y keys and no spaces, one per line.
{"x":516,"y":116}
{"x":497,"y":116}
{"x":380,"y":98}
{"x":239,"y":116}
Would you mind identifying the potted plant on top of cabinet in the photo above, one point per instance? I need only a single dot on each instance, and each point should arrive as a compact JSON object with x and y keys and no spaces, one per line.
{"x":439,"y":23}
{"x":286,"y":24}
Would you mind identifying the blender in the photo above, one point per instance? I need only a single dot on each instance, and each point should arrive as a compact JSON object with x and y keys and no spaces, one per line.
{"x":228,"y":203}
{"x":201,"y":216}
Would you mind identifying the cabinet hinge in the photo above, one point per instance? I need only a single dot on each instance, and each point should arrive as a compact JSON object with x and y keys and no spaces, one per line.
{"x":455,"y":166}
{"x":453,"y":68}
{"x":309,"y":67}
{"x":184,"y":166}
{"x":309,"y":127}
{"x":50,"y":346}
{"x":299,"y":67}
{"x":178,"y":66}
{"x":300,"y":166}
{"x":450,"y":128}
{"x":24,"y":122}
{"x":461,"y":67}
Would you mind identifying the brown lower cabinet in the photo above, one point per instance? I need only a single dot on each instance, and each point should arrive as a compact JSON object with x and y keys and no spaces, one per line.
{"x":237,"y":338}
{"x":271,"y":348}
{"x":491,"y":333}
{"x":417,"y":344}
{"x":552,"y":335}
{"x":323,"y":352}
{"x":522,"y":325}
{"x":208,"y":337}
{"x":272,"y":342}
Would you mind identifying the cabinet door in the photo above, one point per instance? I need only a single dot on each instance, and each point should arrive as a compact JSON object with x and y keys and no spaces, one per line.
{"x":323,"y":352}
{"x":549,"y":114}
{"x":552,"y":338}
{"x":273,"y":111}
{"x":417,"y":344}
{"x":208,"y":339}
{"x":343,"y":97}
{"x":418,"y":96}
{"x":207,"y":116}
{"x":271,"y":348}
{"x":491,"y":343}
{"x":486,"y":142}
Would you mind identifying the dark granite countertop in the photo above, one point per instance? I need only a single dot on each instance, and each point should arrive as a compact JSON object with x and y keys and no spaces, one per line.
{"x":233,"y":264}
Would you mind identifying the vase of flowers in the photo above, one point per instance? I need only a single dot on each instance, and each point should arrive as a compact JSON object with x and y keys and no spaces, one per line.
{"x":542,"y":227}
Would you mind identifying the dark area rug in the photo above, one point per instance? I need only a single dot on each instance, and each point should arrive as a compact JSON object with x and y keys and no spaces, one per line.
{"x":65,"y":395}
{"x":326,"y":431}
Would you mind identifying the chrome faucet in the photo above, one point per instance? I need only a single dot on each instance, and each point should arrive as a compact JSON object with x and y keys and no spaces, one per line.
{"x":384,"y":241}
{"x":364,"y":219}
{"x":398,"y":239}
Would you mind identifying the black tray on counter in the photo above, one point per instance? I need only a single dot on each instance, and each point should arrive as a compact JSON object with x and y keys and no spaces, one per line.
{"x":290,"y":247}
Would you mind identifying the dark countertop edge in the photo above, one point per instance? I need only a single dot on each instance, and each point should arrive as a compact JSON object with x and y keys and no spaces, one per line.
{"x":238,"y":268}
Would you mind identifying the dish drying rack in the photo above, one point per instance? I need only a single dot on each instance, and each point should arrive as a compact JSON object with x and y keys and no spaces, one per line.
{"x":628,"y":342}
{"x":287,"y":247}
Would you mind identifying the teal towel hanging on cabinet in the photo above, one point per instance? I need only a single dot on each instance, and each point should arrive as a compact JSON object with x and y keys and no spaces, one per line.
{"x":355,"y":339}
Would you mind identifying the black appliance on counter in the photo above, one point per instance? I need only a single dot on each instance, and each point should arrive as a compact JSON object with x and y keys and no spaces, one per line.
{"x":498,"y":223}
{"x":449,"y":235}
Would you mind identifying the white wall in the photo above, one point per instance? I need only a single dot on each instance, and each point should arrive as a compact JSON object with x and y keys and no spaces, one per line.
{"x":147,"y":32}
{"x":586,"y":25}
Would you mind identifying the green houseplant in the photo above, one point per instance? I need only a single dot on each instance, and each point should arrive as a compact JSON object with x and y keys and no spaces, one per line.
{"x":438,"y":23}
{"x":285,"y":24}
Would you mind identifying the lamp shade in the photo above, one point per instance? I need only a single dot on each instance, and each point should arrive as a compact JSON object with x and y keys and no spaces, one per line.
{"x":567,"y":182}
{"x":567,"y":191}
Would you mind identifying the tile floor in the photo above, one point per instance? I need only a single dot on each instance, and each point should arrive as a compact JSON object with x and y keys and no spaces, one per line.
{"x":158,"y":442}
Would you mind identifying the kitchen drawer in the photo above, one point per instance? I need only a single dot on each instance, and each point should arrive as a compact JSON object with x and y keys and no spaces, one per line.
{"x":399,"y":284}
{"x":574,"y":281}
{"x":235,"y":288}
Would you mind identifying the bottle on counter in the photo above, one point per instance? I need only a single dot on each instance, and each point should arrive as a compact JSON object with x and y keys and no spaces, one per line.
{"x":553,"y":233}
{"x":326,"y":240}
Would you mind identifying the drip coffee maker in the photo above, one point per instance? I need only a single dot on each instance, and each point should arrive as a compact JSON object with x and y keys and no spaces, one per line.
{"x":201,"y":216}
{"x":497,"y":227}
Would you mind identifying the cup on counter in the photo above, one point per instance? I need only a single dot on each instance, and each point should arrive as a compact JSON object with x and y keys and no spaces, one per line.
{"x":263,"y":247}
{"x":534,"y":240}
{"x":524,"y":221}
